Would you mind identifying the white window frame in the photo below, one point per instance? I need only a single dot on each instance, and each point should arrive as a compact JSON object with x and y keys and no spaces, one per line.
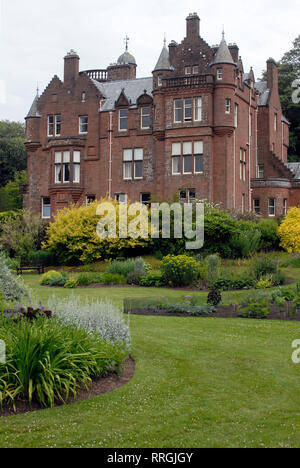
{"x":138,"y":158}
{"x":285,"y":206}
{"x":58,"y":167}
{"x":236,"y":115}
{"x":258,"y":207}
{"x":227,"y":106}
{"x":220,"y":74}
{"x":198,"y":154}
{"x":53,"y":126}
{"x":187,"y":152}
{"x":126,"y":160}
{"x":81,"y":124}
{"x":123,"y":118}
{"x":272,"y":207}
{"x":120,"y":202}
{"x":260,"y":171}
{"x":145,"y":116}
{"x":57,"y":123}
{"x":181,"y":108}
{"x":46,"y":206}
{"x":198,"y":109}
{"x":187,"y":107}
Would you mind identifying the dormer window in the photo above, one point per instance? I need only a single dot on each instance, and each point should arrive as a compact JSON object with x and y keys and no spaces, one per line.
{"x":220,"y":74}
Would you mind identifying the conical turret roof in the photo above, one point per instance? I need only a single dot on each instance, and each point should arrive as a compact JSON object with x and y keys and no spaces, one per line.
{"x":164,"y":60}
{"x":33,"y":112}
{"x":223,"y":54}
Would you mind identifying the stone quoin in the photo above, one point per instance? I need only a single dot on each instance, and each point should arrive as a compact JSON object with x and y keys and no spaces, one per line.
{"x":199,"y":128}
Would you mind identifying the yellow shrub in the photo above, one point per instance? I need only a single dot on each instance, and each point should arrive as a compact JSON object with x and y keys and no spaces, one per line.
{"x":73,"y":237}
{"x":289,"y":231}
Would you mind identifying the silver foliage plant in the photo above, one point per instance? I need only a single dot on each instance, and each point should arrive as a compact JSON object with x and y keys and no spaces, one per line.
{"x":103,"y":318}
{"x":11,"y":287}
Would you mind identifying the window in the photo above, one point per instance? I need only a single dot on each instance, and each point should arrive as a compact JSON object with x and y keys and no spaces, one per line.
{"x":146,"y":198}
{"x":257,"y":206}
{"x":188,"y":70}
{"x":178,"y":110}
{"x":76,"y":167}
{"x":285,"y":206}
{"x":83,"y":97}
{"x":188,"y":109}
{"x":176,"y":158}
{"x":54,"y":125}
{"x":198,"y":109}
{"x":121,"y":198}
{"x":46,"y":208}
{"x":198,"y":151}
{"x":236,"y":115}
{"x":133,"y":163}
{"x":90,"y":199}
{"x":62,"y":167}
{"x":83,"y":124}
{"x":159,"y":80}
{"x":188,"y":158}
{"x":187,"y":195}
{"x":123,"y":115}
{"x":243,"y":164}
{"x":227,"y":106}
{"x":145,"y":117}
{"x":261,"y":171}
{"x":220,"y":74}
{"x":195,"y":70}
{"x":272,"y":206}
{"x":275,"y":122}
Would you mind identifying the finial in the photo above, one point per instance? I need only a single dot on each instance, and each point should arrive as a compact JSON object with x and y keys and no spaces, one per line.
{"x":165,"y":40}
{"x":126,"y":42}
{"x":223,"y":33}
{"x":37,"y":90}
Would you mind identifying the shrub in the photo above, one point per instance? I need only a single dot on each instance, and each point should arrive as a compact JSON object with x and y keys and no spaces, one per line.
{"x":11,"y":288}
{"x":179,"y":271}
{"x":54,"y":278}
{"x":153,"y":279}
{"x":214,"y":298}
{"x":289,"y":231}
{"x":44,"y":258}
{"x":263,"y":265}
{"x":232,"y":282}
{"x":219,"y":229}
{"x":135,"y":276}
{"x":258,"y":308}
{"x":2,"y":303}
{"x":246,"y":242}
{"x":191,"y":310}
{"x":102,"y":318}
{"x":108,"y":278}
{"x":128,"y":266}
{"x":213,"y":263}
{"x":46,"y":360}
{"x":265,"y":282}
{"x":73,"y":237}
{"x":71,"y":284}
{"x":269,"y":234}
{"x":85,"y":279}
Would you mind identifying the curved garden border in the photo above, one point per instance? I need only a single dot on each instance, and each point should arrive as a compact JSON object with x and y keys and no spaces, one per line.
{"x":99,"y":387}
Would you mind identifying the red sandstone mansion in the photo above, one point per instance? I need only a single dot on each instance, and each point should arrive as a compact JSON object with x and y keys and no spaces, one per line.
{"x":198,"y":128}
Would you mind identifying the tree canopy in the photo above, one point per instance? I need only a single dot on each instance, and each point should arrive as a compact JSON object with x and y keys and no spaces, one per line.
{"x":13,"y":156}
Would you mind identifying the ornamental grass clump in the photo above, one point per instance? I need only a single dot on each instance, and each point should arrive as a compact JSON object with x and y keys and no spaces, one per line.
{"x":46,"y":360}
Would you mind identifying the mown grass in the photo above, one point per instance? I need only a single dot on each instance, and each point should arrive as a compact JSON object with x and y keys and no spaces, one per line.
{"x":199,"y":383}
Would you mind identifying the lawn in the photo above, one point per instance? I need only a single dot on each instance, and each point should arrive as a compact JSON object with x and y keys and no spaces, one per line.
{"x":199,"y":382}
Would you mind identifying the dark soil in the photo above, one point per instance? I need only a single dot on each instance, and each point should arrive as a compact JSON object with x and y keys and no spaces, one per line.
{"x":221,"y":312}
{"x":98,"y":387}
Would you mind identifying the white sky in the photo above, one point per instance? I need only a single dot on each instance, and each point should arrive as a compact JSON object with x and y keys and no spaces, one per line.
{"x":35,"y":35}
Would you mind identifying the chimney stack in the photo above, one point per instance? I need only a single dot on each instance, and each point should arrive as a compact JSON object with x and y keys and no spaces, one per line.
{"x":272,"y":74}
{"x":193,"y":26}
{"x":71,"y":66}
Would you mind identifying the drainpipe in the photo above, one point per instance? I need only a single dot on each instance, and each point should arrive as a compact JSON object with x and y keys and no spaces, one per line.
{"x":110,"y":155}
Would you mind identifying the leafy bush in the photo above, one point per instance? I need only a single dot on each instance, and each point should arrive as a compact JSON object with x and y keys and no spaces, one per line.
{"x":54,"y":278}
{"x":108,"y":278}
{"x":246,"y":242}
{"x":214,"y":298}
{"x":263,"y":265}
{"x":269,"y":234}
{"x":219,"y":229}
{"x":126,"y":267}
{"x":11,"y":288}
{"x":179,"y":271}
{"x":73,"y":237}
{"x":86,"y":279}
{"x":71,"y":284}
{"x":289,"y":231}
{"x":22,"y":234}
{"x":231,"y":282}
{"x":2,"y":303}
{"x":46,"y":361}
{"x":44,"y":258}
{"x":256,"y":309}
{"x":135,"y":276}
{"x":102,"y":318}
{"x":154,"y":279}
{"x":213,"y":263}
{"x":265,"y":282}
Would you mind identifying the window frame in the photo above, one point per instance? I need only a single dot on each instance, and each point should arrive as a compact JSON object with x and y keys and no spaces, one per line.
{"x":272,"y":207}
{"x":220,"y":74}
{"x":256,"y":206}
{"x":227,"y":106}
{"x":48,"y":205}
{"x":83,"y":123}
{"x":145,"y":116}
{"x":122,"y":119}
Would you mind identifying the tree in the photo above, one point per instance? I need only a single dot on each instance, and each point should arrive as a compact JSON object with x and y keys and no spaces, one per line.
{"x":13,"y":156}
{"x":289,"y":231}
{"x":10,"y":195}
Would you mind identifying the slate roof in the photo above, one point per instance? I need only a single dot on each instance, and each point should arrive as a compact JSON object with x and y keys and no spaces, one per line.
{"x":284,"y":119}
{"x":223,"y":54}
{"x":264,"y":92}
{"x":133,"y":89}
{"x":295,"y":168}
{"x":163,"y":61}
{"x":126,"y":58}
{"x":33,"y":111}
